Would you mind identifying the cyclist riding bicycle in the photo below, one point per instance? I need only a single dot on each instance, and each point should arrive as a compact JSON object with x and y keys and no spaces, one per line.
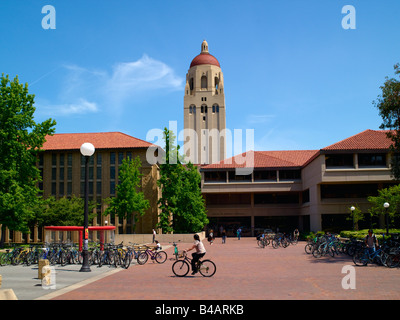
{"x":200,"y":252}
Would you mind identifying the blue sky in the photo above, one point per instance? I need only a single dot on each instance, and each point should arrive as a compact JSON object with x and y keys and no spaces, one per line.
{"x":291,"y":72}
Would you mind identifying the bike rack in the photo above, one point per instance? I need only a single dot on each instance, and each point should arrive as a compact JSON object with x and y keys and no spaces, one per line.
{"x":102,"y":230}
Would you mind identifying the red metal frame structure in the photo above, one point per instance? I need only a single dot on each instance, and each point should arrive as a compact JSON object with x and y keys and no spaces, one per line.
{"x":80,"y":229}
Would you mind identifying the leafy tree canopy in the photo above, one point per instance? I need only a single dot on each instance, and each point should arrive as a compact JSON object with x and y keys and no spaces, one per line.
{"x":21,"y":138}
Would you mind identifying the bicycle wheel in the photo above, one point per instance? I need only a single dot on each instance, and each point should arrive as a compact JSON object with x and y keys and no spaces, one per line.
{"x":161,"y":257}
{"x":360,"y":258}
{"x":127,"y":260}
{"x":308,"y":248}
{"x":3,"y":259}
{"x":317,"y":253}
{"x":142,"y":258}
{"x":180,"y":268}
{"x":63,"y":258}
{"x":207,"y":268}
{"x":392,"y":261}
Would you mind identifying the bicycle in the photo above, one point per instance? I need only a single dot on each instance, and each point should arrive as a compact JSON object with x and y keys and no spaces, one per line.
{"x":362,"y":258}
{"x":158,"y":256}
{"x":177,"y":254}
{"x":181,"y":267}
{"x":8,"y":257}
{"x":129,"y":255}
{"x":280,"y":241}
{"x":262,"y":242}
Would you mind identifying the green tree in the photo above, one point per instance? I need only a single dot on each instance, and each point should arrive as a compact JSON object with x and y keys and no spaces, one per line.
{"x":355,"y":216}
{"x":191,"y":214}
{"x":390,"y":195}
{"x":21,"y":138}
{"x":61,"y":212}
{"x":169,"y":182}
{"x":388,"y":104}
{"x":181,"y":202}
{"x":128,"y":200}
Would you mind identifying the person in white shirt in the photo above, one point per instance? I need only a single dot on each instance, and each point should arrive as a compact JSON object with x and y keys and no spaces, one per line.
{"x":200,"y":252}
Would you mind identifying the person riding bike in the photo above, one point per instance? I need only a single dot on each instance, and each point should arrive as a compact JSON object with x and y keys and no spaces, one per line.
{"x":200,"y":252}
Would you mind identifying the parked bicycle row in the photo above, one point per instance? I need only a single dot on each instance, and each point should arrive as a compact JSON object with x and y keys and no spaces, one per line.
{"x":277,"y":240}
{"x":66,"y":253}
{"x":386,"y":253}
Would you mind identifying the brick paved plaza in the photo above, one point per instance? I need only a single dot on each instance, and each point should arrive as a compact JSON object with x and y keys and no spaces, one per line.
{"x":245,"y":272}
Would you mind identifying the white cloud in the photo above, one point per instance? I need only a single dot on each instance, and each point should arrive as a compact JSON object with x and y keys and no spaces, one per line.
{"x":132,"y":78}
{"x":259,"y":118}
{"x":92,"y":89}
{"x":81,"y":106}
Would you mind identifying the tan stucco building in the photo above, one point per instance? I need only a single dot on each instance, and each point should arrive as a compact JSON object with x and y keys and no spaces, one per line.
{"x":309,"y":189}
{"x":62,"y":169}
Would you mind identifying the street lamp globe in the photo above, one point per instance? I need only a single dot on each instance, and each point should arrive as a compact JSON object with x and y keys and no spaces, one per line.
{"x":87,"y":149}
{"x":386,"y":205}
{"x":352,"y":208}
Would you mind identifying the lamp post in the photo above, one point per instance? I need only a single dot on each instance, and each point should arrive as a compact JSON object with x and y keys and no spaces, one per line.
{"x":87,"y":150}
{"x":352,"y":208}
{"x":386,"y":206}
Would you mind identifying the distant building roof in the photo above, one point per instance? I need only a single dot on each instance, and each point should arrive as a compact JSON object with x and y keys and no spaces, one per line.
{"x":100,"y":140}
{"x":366,"y":140}
{"x":267,"y":159}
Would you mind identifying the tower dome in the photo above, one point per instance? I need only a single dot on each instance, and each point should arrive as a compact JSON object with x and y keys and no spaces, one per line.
{"x":204,"y":57}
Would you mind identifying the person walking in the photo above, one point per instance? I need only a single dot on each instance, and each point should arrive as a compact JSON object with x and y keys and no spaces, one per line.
{"x":211,"y":237}
{"x":239,"y":233}
{"x":223,"y":234}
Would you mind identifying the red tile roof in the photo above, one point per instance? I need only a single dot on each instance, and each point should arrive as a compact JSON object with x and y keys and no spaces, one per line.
{"x":373,"y":140}
{"x":366,"y":140}
{"x":267,"y":159}
{"x":100,"y":140}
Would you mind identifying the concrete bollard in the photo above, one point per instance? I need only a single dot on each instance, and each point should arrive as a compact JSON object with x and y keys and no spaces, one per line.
{"x":7,"y":294}
{"x":42,"y":263}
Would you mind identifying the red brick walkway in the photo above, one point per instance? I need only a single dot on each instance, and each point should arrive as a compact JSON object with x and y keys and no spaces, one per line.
{"x":246,"y":272}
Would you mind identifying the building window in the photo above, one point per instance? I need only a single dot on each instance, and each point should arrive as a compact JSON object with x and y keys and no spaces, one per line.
{"x":339,"y":160}
{"x":228,"y":199}
{"x":239,"y":178}
{"x":305,"y":196}
{"x":215,"y":176}
{"x":204,"y":82}
{"x":276,"y":198}
{"x":372,"y":160}
{"x":334,"y":191}
{"x":265,"y":175}
{"x":112,"y":158}
{"x":289,"y":175}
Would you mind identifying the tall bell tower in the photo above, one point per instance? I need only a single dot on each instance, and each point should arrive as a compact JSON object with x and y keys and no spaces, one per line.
{"x":204,"y":110}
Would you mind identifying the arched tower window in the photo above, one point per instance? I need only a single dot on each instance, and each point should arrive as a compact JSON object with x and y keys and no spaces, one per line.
{"x":204,"y":82}
{"x":215,"y":108}
{"x":191,"y":84}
